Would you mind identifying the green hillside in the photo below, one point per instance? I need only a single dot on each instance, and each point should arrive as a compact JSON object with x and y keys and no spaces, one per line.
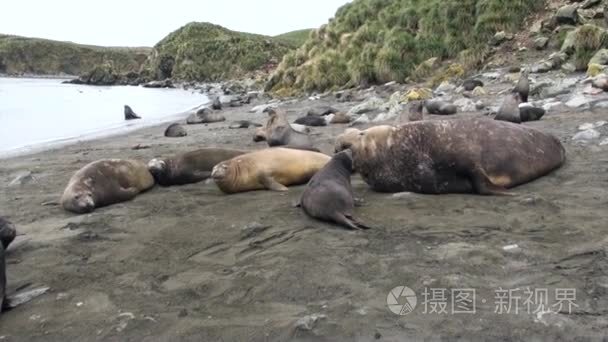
{"x":207,"y":52}
{"x":20,"y":55}
{"x":375,"y":41}
{"x":294,"y":38}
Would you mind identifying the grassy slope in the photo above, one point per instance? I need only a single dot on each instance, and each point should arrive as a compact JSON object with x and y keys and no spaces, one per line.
{"x":207,"y":52}
{"x":19,"y":55}
{"x":374,"y":41}
{"x":294,"y":38}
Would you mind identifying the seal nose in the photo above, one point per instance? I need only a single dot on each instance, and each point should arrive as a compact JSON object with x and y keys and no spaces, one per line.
{"x":218,"y":171}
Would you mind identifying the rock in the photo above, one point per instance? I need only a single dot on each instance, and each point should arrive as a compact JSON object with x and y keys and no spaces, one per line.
{"x":307,"y":323}
{"x":554,"y":91}
{"x":542,"y":67}
{"x":175,"y":130}
{"x":569,"y":44}
{"x":216,"y":104}
{"x":567,"y":15}
{"x":604,"y":142}
{"x":600,"y":57}
{"x":578,"y":101}
{"x":499,"y":38}
{"x":600,"y":82}
{"x":384,"y":117}
{"x":587,"y":135}
{"x":417,"y":94}
{"x":445,"y":87}
{"x":465,"y":105}
{"x":541,"y":43}
{"x":361,"y":120}
{"x":479,"y":105}
{"x":590,"y":3}
{"x":471,"y":84}
{"x":372,"y":104}
{"x":479,"y":91}
{"x":588,"y":125}
{"x":491,"y":75}
{"x":159,"y":84}
{"x":569,"y":67}
{"x":22,"y":178}
{"x":551,"y":105}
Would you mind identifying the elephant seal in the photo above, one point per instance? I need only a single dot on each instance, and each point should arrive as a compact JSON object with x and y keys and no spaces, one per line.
{"x":438,"y":107}
{"x":329,"y":195}
{"x":471,"y":84}
{"x":340,"y":118}
{"x":189,"y":167}
{"x":216,"y":104}
{"x":260,"y":134}
{"x":7,"y":235}
{"x":530,"y":113}
{"x":509,"y":109}
{"x":415,"y":111}
{"x":311,"y":120}
{"x":272,"y":168}
{"x":523,"y":86}
{"x":175,"y":130}
{"x":105,"y":182}
{"x":130,"y":114}
{"x":204,"y":115}
{"x":322,"y":111}
{"x":479,"y":156}
{"x":279,"y":132}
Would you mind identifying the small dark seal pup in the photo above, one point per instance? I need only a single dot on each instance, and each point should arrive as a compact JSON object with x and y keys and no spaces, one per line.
{"x":509,"y":109}
{"x":530,"y":113}
{"x":280,"y":133}
{"x":105,"y":182}
{"x":189,"y":167}
{"x":438,"y":107}
{"x":329,"y":195}
{"x":311,"y":120}
{"x":471,"y":84}
{"x":480,"y":156}
{"x":175,"y":130}
{"x":415,"y":111}
{"x":204,"y":115}
{"x":130,"y":114}
{"x":523,"y":86}
{"x":7,"y":235}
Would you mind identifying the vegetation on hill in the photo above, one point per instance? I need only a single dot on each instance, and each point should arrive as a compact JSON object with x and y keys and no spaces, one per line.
{"x":20,"y":55}
{"x":294,"y":38}
{"x":207,"y":52}
{"x":376,"y":41}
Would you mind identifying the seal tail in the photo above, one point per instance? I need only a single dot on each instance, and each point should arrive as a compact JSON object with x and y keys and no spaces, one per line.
{"x":349,"y":222}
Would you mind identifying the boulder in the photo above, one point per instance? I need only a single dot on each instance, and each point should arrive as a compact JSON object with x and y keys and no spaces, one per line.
{"x":372,"y":104}
{"x":567,"y":15}
{"x":541,"y":43}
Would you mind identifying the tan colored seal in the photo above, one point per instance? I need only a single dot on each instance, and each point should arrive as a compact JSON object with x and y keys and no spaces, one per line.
{"x":105,"y":182}
{"x":273,"y":169}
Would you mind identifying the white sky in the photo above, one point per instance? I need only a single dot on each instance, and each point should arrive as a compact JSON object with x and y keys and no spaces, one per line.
{"x":144,"y":23}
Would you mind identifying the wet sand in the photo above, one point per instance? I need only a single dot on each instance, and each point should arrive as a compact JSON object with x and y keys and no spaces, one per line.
{"x":190,"y":263}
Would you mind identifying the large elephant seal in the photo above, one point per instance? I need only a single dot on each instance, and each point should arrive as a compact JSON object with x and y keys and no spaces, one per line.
{"x":523,"y":86}
{"x":279,"y":132}
{"x":509,"y":109}
{"x":105,"y":182}
{"x":7,"y":235}
{"x":329,"y":195}
{"x":273,"y":169}
{"x":189,"y":167}
{"x":480,"y":156}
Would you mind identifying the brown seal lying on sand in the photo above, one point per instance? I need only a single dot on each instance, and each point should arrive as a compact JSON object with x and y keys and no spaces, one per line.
{"x":7,"y":235}
{"x":272,"y":168}
{"x":279,"y":132}
{"x":329,"y":195}
{"x":189,"y":167}
{"x":105,"y":182}
{"x":452,"y":156}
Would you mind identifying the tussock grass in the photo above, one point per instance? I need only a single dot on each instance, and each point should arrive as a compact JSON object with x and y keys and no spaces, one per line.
{"x":387,"y":40}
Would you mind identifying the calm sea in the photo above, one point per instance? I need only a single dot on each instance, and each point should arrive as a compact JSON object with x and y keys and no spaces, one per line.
{"x":39,"y":113}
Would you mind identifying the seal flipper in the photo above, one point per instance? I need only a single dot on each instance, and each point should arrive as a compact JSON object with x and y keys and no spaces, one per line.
{"x":349,"y":222}
{"x":484,"y":186}
{"x":125,"y":194}
{"x":271,"y":184}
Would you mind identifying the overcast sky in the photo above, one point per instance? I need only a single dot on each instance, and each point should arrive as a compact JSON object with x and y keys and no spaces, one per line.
{"x":144,"y":23}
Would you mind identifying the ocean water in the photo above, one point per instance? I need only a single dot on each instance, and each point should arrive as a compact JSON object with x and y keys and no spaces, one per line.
{"x":42,"y":113}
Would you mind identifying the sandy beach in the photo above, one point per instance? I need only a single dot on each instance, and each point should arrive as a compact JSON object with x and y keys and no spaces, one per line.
{"x":190,"y":263}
